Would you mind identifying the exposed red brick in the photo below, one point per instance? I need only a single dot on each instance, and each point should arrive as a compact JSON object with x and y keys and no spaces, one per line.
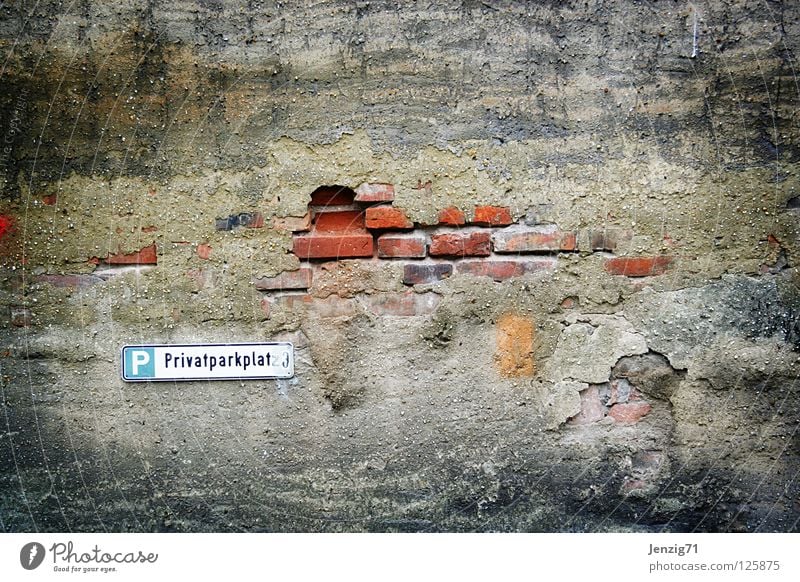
{"x":266,"y":307}
{"x":332,"y":196}
{"x":375,"y":193}
{"x":500,"y":270}
{"x":401,"y":246}
{"x":569,"y":303}
{"x":204,"y":251}
{"x":492,"y":216}
{"x":149,"y":229}
{"x":78,"y":281}
{"x":256,"y":220}
{"x":342,"y":221}
{"x":6,"y":224}
{"x":452,"y":216}
{"x":629,"y":412}
{"x":638,"y":266}
{"x":405,"y":304}
{"x":21,"y":317}
{"x":608,"y":239}
{"x":533,"y":239}
{"x":145,"y":256}
{"x":314,"y":246}
{"x":386,"y":217}
{"x":461,"y":244}
{"x":293,"y":223}
{"x":50,"y":200}
{"x":299,"y":279}
{"x":421,"y":274}
{"x":293,"y":301}
{"x":592,"y":408}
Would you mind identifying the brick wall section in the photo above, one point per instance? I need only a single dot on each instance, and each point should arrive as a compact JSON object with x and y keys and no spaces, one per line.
{"x":461,"y":244}
{"x":364,"y":224}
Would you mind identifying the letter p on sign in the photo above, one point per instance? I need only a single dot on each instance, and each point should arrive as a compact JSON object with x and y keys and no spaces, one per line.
{"x":138,"y":363}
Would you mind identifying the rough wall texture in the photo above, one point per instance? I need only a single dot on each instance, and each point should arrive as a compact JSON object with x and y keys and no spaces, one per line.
{"x":537,"y":259}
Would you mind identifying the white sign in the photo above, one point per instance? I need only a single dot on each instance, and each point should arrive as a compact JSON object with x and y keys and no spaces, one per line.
{"x":161,"y":363}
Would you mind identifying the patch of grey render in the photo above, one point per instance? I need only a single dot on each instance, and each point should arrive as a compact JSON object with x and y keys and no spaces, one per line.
{"x":590,"y":346}
{"x":680,"y":324}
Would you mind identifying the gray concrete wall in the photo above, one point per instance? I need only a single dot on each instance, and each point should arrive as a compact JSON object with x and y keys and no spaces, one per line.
{"x":637,"y":370}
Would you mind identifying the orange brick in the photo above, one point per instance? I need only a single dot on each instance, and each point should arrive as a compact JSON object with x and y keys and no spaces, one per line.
{"x":492,"y":216}
{"x":386,"y":217}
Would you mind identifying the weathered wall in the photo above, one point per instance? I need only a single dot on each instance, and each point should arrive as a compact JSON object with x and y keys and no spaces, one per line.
{"x":611,"y":345}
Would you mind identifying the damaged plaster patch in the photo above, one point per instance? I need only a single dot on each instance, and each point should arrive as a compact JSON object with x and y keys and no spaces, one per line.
{"x":588,"y":349}
{"x":734,"y":361}
{"x":682,"y":324}
{"x":558,"y":402}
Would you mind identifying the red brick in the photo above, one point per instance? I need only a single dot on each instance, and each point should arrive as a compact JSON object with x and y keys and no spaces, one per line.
{"x":79,"y":281}
{"x":592,"y":408}
{"x":145,"y":256}
{"x":266,"y":307}
{"x":293,"y":301}
{"x":629,"y":412}
{"x":492,"y":216}
{"x":332,"y":196}
{"x":461,"y":244}
{"x":204,"y":251}
{"x":500,"y":270}
{"x":375,"y":193}
{"x":387,"y":217}
{"x":638,"y":266}
{"x":533,"y":239}
{"x":50,"y":200}
{"x":21,"y":317}
{"x":421,"y":274}
{"x":299,"y":279}
{"x":293,"y":223}
{"x":149,"y":229}
{"x":452,"y":216}
{"x":6,"y":224}
{"x":343,"y":221}
{"x":406,"y":304}
{"x":314,"y":246}
{"x":569,"y":303}
{"x":254,"y":220}
{"x":401,"y":246}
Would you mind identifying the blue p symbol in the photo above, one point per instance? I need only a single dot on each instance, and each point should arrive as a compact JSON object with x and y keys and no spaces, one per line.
{"x":139,"y":363}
